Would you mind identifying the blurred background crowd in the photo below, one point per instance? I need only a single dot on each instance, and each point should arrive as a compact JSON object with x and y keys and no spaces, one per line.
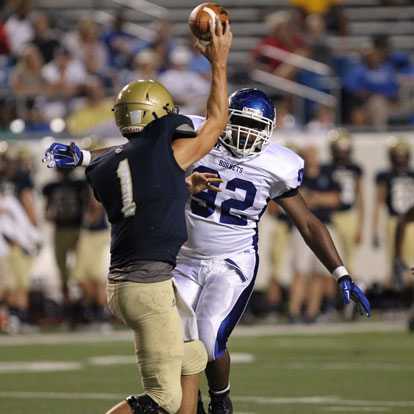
{"x":341,"y":72}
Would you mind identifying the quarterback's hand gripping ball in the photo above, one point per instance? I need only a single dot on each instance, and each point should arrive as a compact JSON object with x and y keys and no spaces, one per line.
{"x":199,"y":17}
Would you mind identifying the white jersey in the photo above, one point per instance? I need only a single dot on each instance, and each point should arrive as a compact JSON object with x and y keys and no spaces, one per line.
{"x":226,"y":222}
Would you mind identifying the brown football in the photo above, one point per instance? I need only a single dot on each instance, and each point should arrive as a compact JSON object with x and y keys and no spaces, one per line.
{"x":200,"y":16}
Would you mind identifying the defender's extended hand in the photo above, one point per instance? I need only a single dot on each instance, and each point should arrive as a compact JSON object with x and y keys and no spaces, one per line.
{"x":64,"y":156}
{"x":350,"y":291}
{"x":198,"y":182}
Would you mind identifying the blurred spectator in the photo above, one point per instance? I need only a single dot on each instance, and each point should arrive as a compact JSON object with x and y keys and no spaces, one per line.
{"x":188,"y":89}
{"x":329,"y":9}
{"x":315,"y":38}
{"x":395,"y":190}
{"x":6,"y":115}
{"x":108,"y":77}
{"x":163,"y":44}
{"x":118,"y":43}
{"x":198,"y":62}
{"x":85,"y":41}
{"x":286,"y":121}
{"x":66,"y":198}
{"x":26,"y":77}
{"x":323,"y":121}
{"x":28,"y":85}
{"x":144,"y":66}
{"x":65,"y":77}
{"x":373,"y":86}
{"x":4,"y":40}
{"x":94,"y":113}
{"x":44,"y":37}
{"x":311,"y":280}
{"x":283,"y":35}
{"x":19,"y":27}
{"x":400,"y":61}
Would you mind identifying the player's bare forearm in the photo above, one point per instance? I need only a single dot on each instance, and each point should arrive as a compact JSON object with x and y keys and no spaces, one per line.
{"x":317,"y":237}
{"x":95,"y":153}
{"x":313,"y":231}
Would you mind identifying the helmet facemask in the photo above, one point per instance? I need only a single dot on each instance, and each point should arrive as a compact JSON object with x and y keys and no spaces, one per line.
{"x":247,"y":132}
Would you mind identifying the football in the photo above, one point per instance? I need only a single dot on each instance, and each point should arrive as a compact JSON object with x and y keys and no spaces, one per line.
{"x":200,"y":16}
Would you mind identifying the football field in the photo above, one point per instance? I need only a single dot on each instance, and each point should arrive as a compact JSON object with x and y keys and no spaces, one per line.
{"x":349,"y":368}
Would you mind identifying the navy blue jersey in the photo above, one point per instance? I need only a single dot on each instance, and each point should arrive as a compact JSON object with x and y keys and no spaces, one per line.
{"x":346,"y":177}
{"x":323,"y":182}
{"x":144,"y":193}
{"x":400,"y":191}
{"x":66,"y":201}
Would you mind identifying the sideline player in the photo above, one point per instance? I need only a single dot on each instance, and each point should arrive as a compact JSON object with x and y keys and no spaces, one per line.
{"x":400,"y":267}
{"x":348,"y":220}
{"x":148,"y":225}
{"x":217,"y":266}
{"x":395,"y":189}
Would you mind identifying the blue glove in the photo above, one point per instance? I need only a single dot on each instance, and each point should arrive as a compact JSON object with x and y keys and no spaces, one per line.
{"x":350,"y":291}
{"x":64,"y":156}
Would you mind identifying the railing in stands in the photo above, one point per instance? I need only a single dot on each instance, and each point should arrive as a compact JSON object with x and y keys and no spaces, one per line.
{"x":331,"y":99}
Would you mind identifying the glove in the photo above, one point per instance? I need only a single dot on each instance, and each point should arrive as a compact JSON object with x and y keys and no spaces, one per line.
{"x":64,"y":156}
{"x":398,"y":269}
{"x":350,"y":291}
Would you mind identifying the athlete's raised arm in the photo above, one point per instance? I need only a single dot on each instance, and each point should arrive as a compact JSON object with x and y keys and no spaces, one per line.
{"x":188,"y":151}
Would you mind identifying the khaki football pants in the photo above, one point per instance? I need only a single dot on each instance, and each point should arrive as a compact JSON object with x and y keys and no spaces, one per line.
{"x":150,"y":310}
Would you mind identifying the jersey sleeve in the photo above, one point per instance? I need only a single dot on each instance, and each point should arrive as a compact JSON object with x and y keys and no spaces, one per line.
{"x":184,"y":128}
{"x":290,"y":180}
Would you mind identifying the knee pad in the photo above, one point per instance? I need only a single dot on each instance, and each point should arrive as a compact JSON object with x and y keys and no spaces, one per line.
{"x":142,"y":404}
{"x":195,"y":358}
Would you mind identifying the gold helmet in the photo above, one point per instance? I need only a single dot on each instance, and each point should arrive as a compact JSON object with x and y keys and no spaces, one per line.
{"x":399,"y":151}
{"x":139,"y":103}
{"x":397,"y":144}
{"x":340,"y":139}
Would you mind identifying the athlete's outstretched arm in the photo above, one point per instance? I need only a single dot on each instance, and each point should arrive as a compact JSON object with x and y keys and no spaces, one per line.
{"x":188,"y":151}
{"x":317,"y":237}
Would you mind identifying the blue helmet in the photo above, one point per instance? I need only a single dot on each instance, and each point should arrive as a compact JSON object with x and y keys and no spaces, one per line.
{"x":252,"y":118}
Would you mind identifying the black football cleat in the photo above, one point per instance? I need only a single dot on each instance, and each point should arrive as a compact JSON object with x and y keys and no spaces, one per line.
{"x":220,"y":403}
{"x":200,"y":406}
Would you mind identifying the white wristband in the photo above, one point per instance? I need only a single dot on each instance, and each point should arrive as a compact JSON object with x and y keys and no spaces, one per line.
{"x":86,"y":158}
{"x":339,"y":272}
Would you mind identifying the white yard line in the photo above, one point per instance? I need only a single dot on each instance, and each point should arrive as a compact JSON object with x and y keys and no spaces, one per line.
{"x":357,"y":409}
{"x":346,"y":405}
{"x":240,"y":331}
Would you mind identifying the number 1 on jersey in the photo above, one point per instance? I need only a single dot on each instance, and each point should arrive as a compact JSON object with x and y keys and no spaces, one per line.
{"x":124,"y":175}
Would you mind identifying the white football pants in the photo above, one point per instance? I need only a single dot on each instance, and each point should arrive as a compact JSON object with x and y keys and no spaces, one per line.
{"x":218,"y":291}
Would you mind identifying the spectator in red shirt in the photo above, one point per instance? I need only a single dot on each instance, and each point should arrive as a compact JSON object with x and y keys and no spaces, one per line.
{"x":283,"y":35}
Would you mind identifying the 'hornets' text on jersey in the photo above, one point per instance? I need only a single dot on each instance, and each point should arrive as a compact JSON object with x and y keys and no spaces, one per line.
{"x":225,"y":222}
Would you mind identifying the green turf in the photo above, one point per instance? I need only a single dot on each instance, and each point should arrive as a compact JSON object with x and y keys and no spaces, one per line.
{"x":360,"y":372}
